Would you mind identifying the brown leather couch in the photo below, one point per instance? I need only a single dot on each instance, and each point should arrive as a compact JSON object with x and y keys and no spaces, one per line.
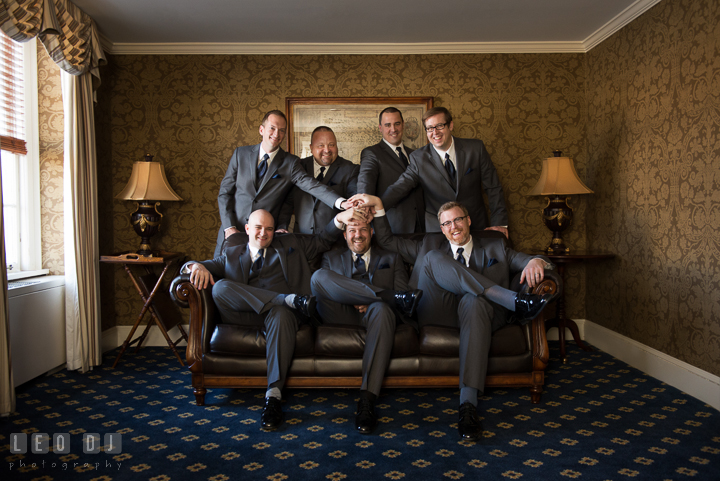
{"x":229,"y":356}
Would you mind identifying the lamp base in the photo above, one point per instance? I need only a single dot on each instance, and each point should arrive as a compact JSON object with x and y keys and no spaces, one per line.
{"x":146,"y":222}
{"x":558,"y":216}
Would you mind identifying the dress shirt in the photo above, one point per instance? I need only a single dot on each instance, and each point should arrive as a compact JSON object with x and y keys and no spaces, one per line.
{"x":394,"y":148}
{"x":467,"y":251}
{"x":450,"y":152}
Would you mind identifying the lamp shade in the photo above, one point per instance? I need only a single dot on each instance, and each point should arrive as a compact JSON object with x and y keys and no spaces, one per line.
{"x":558,"y":177}
{"x":148,"y":182}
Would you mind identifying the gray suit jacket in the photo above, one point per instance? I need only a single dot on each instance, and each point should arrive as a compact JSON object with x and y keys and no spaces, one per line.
{"x":238,"y":197}
{"x":292,"y":252}
{"x":475,"y":173}
{"x":386,"y":270}
{"x":490,"y":257}
{"x":311,"y":214}
{"x":380,"y":167}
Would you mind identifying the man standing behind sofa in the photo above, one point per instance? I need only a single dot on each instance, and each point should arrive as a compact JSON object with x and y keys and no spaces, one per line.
{"x":465,"y":281}
{"x":265,"y":281}
{"x":367,"y":287}
{"x":451,"y":169}
{"x":338,"y":174}
{"x":260,"y":177}
{"x":382,"y":164}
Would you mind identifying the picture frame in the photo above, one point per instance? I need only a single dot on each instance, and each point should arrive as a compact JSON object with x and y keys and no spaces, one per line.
{"x":353,"y":119}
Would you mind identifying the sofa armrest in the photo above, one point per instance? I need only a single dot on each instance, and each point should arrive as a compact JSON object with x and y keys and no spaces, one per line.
{"x":202,"y":317}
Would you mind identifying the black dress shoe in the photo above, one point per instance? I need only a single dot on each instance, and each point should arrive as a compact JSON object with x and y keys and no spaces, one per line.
{"x":407,"y":301}
{"x":528,"y":306}
{"x":272,"y":415}
{"x":365,"y":417}
{"x":306,"y":305}
{"x":469,"y":425}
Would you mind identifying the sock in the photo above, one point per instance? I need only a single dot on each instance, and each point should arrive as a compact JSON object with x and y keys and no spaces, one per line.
{"x":273,"y":392}
{"x":502,"y":296}
{"x":468,"y":394}
{"x":372,"y":397}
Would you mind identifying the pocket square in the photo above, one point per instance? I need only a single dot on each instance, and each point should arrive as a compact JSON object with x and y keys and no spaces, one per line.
{"x":290,"y":251}
{"x":276,"y":176}
{"x":384,"y":266}
{"x":491,"y":262}
{"x":469,"y":170}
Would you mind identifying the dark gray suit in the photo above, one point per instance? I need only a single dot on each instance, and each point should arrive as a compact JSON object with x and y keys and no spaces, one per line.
{"x":238,"y":196}
{"x":475,"y":173}
{"x":380,"y":167}
{"x":452,"y":293}
{"x":311,"y":214}
{"x":249,"y":298}
{"x":338,"y":288}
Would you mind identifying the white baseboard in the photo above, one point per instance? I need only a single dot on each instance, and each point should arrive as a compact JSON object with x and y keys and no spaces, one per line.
{"x":115,"y":336}
{"x":678,"y":374}
{"x":681,"y":375}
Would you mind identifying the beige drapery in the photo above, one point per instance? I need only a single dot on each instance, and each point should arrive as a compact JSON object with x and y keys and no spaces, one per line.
{"x":7,"y":393}
{"x":71,"y":39}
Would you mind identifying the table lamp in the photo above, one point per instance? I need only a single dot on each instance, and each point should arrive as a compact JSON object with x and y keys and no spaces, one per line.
{"x":147,"y":185}
{"x":558,"y":180}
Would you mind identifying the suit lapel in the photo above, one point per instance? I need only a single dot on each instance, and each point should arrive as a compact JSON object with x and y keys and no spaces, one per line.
{"x":393,"y":154}
{"x":439,"y":165}
{"x":245,"y":264}
{"x":329,"y":172}
{"x":280,"y":253}
{"x":460,"y":164}
{"x":347,"y":263}
{"x":248,"y":168}
{"x":478,"y":256}
{"x":374,"y":262}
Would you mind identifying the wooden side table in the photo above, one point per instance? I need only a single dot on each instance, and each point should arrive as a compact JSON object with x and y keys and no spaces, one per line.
{"x":160,"y":314}
{"x":561,"y":321}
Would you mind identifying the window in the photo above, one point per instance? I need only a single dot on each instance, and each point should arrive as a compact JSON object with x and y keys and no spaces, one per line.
{"x":20,"y":158}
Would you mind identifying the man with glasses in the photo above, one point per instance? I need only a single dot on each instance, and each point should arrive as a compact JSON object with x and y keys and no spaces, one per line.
{"x":465,"y":281}
{"x":382,"y":164}
{"x":451,"y":169}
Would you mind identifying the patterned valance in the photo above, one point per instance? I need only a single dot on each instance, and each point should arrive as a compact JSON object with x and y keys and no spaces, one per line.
{"x":68,"y":34}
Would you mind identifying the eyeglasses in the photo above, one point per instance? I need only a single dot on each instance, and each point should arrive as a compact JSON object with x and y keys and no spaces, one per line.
{"x":456,"y":220}
{"x":438,"y":127}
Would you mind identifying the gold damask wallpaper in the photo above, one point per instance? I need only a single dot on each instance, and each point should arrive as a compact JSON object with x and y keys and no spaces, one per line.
{"x":192,"y":111}
{"x":654,"y":163}
{"x":50,"y":113}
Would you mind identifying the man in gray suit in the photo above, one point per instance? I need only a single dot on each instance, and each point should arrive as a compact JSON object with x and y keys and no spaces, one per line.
{"x":451,"y":169}
{"x":367,"y":287}
{"x":264,"y":280}
{"x":338,"y":174}
{"x":465,"y":281}
{"x":382,"y":164}
{"x":260,"y":177}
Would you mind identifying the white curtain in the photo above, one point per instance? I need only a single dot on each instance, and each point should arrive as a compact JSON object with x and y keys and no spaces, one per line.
{"x":82,"y":285}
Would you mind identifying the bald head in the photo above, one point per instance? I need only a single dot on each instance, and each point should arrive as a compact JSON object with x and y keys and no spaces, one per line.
{"x":260,"y":229}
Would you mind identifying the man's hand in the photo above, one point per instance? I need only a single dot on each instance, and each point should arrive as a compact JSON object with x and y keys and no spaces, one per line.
{"x":499,"y":229}
{"x":200,"y":276}
{"x":367,"y":200}
{"x":230,"y":231}
{"x":361,"y":309}
{"x":347,"y":205}
{"x":353,"y":215}
{"x":534,"y":273}
{"x":282,"y":231}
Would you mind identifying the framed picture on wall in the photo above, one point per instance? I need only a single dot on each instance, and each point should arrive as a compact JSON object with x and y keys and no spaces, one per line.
{"x":354,"y":121}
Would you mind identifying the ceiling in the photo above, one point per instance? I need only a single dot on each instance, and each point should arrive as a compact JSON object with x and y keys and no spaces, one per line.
{"x":352,"y":26}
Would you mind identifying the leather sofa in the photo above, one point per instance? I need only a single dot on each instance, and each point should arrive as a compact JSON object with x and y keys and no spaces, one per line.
{"x":330,"y":356}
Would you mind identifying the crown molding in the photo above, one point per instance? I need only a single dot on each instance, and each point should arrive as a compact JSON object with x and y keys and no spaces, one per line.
{"x":607,"y":30}
{"x":616,"y":24}
{"x":341,"y":48}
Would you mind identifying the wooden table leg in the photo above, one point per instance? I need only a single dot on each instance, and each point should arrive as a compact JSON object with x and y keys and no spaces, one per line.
{"x":562,"y":322}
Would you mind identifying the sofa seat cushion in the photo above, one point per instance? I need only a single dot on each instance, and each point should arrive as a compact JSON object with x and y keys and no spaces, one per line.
{"x":347,"y":341}
{"x":249,"y":341}
{"x":444,"y":341}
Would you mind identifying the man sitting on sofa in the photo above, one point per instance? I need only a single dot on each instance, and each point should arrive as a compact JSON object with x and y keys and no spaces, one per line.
{"x":366,"y":286}
{"x":465,"y":281}
{"x":265,"y":280}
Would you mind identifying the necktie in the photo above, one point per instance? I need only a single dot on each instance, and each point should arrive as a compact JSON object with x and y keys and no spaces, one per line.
{"x":460,"y":257}
{"x":321,"y":175}
{"x":262,"y":168}
{"x":402,"y":156}
{"x":359,"y":264}
{"x":258,"y":264}
{"x":450,"y":169}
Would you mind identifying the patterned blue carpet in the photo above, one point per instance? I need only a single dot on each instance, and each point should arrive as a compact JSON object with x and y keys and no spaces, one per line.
{"x":598,"y":419}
